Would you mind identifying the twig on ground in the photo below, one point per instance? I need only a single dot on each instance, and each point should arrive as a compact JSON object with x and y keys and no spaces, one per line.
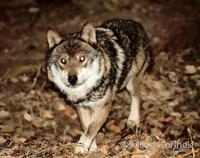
{"x":193,"y":151}
{"x":38,"y":73}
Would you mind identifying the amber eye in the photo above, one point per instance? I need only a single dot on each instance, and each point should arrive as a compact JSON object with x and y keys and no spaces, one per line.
{"x":63,"y":61}
{"x":82,"y":59}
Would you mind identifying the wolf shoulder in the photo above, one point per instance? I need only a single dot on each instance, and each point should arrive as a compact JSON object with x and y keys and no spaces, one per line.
{"x":124,"y":26}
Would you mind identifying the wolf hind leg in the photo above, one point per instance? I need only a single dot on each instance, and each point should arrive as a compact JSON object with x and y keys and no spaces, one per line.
{"x":133,"y":87}
{"x":134,"y":116}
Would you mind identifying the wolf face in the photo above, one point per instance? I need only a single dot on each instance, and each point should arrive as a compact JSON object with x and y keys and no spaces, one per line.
{"x":73,"y":64}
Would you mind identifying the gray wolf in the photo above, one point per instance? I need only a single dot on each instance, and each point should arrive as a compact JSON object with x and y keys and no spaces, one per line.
{"x":89,"y":67}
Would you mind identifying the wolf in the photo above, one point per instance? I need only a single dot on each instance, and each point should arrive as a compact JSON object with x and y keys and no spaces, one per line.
{"x":91,"y":66}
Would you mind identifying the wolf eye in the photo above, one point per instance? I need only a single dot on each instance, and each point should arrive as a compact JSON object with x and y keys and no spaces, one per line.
{"x":63,"y":61}
{"x":82,"y":59}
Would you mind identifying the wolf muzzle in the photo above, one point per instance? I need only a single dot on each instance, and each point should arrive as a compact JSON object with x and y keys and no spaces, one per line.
{"x":72,"y":79}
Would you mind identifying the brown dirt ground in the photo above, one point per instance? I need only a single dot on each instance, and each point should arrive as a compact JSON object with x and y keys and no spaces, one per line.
{"x":35,"y":122}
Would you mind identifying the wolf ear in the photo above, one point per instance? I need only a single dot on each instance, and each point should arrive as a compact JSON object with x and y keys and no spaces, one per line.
{"x":53,"y":38}
{"x":88,"y":33}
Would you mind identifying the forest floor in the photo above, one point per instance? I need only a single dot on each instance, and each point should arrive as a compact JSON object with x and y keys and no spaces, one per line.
{"x":35,"y":121}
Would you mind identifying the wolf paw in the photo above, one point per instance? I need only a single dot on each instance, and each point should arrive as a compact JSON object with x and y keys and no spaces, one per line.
{"x":93,"y":147}
{"x":133,"y":124}
{"x":80,"y":149}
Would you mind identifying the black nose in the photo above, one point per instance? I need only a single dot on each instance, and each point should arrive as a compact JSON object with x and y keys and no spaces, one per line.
{"x":72,"y":79}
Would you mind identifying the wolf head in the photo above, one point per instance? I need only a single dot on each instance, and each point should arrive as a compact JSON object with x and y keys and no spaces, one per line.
{"x":73,"y":62}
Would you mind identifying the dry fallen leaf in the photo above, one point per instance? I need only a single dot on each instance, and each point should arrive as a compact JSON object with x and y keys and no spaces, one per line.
{"x":7,"y":128}
{"x":104,"y":148}
{"x":155,"y":123}
{"x":24,"y":78}
{"x":173,"y":76}
{"x":38,"y":122}
{"x":15,"y":151}
{"x":27,"y":117}
{"x":47,"y":114}
{"x":4,"y":114}
{"x":112,"y":127}
{"x":2,"y":140}
{"x":60,"y":106}
{"x":14,"y":79}
{"x":137,"y":153}
{"x":2,"y":103}
{"x":146,"y":105}
{"x":155,"y":155}
{"x":65,"y":138}
{"x":20,"y":140}
{"x":115,"y":128}
{"x":157,"y":133}
{"x":70,"y":112}
{"x":190,"y":69}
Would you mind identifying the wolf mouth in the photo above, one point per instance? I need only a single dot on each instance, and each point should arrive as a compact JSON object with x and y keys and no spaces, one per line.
{"x":74,"y":86}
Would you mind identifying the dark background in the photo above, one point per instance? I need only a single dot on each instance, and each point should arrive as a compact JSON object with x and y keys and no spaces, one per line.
{"x":34,"y":121}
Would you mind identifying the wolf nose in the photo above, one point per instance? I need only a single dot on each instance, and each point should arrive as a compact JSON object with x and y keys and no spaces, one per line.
{"x":72,"y":79}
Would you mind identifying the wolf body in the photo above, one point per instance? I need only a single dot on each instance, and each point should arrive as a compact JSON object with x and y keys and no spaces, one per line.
{"x":91,"y":66}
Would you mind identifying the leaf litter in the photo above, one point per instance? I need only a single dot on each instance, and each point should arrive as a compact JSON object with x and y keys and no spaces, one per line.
{"x":35,"y":121}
